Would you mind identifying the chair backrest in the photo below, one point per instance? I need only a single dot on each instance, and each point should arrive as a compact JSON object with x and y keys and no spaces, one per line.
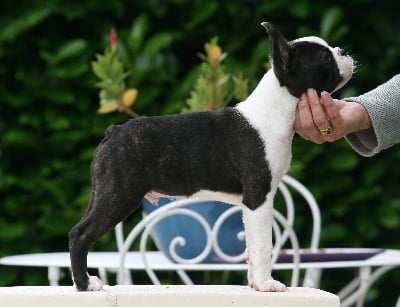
{"x":309,"y":200}
{"x":212,"y":248}
{"x":312,"y":276}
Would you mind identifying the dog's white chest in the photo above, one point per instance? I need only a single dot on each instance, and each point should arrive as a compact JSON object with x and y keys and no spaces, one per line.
{"x":271,"y":111}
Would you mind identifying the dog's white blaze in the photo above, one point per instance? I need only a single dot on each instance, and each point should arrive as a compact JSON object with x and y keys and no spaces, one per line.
{"x":312,"y":39}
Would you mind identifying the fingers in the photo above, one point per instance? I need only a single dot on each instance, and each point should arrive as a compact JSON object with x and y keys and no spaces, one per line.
{"x":322,"y":125}
{"x":331,"y":111}
{"x":310,"y":117}
{"x":318,"y":113}
{"x":303,"y":118}
{"x":318,"y":118}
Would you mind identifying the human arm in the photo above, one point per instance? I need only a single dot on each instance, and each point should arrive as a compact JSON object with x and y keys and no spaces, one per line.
{"x":314,"y":114}
{"x":383,"y":107}
{"x":370,"y":122}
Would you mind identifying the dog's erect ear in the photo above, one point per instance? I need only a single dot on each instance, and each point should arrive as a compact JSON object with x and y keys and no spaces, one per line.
{"x":279,"y":50}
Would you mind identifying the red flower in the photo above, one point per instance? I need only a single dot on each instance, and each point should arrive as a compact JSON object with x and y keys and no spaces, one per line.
{"x":113,"y":38}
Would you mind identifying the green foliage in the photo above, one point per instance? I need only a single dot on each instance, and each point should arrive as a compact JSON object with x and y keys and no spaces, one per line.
{"x":111,"y":72}
{"x":49,"y":127}
{"x":113,"y":94}
{"x":214,"y":87}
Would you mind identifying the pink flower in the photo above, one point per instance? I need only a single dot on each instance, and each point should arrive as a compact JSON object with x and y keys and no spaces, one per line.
{"x":113,"y":38}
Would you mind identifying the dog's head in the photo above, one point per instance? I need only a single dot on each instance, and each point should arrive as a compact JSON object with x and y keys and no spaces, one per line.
{"x":307,"y":62}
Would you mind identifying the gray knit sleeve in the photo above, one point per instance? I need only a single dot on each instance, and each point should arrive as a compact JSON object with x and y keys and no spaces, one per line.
{"x":383,"y":107}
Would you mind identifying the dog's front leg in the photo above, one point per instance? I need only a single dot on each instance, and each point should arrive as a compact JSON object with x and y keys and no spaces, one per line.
{"x":258,"y":228}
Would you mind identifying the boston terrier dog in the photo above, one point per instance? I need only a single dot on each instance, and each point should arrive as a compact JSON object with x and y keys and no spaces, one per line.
{"x":237,"y":155}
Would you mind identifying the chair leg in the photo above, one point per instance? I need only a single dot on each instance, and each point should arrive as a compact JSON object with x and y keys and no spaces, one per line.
{"x":103,"y":275}
{"x":349,"y":288}
{"x":125,"y":278}
{"x":53,"y":274}
{"x":128,"y":277}
{"x":185,"y":277}
{"x":312,"y":278}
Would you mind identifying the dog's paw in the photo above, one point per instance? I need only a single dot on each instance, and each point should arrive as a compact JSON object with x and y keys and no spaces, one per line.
{"x":269,"y":285}
{"x":91,"y":283}
{"x":95,"y":284}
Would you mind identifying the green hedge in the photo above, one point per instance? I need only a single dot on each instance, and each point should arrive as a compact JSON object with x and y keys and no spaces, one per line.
{"x":49,"y":126}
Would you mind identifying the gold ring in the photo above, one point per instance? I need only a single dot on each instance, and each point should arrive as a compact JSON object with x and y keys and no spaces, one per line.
{"x":326,"y":131}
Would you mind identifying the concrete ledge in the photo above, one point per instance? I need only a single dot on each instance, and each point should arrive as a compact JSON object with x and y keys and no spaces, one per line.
{"x":166,"y":296}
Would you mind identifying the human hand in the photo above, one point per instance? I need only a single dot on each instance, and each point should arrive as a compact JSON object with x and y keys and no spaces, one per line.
{"x":326,"y":119}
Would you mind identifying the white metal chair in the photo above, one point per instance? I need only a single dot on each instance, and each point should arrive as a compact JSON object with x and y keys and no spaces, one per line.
{"x":124,"y":260}
{"x":282,"y":229}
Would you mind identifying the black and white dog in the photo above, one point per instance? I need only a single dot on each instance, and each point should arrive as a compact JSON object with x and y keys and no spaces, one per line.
{"x":237,"y":155}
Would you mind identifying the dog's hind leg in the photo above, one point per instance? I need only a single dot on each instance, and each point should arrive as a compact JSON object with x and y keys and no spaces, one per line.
{"x":102,"y":215}
{"x":79,"y":247}
{"x":117,"y":190}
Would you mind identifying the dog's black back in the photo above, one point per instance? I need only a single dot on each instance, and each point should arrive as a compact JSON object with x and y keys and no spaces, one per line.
{"x":226,"y":150}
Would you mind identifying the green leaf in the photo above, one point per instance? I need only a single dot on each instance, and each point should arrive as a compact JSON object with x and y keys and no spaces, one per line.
{"x":70,"y":70}
{"x":10,"y":231}
{"x":300,"y":8}
{"x":158,"y":42}
{"x":343,"y":161}
{"x":241,"y":87}
{"x":138,"y":32}
{"x":55,"y":190}
{"x":20,"y":137}
{"x":332,"y":18}
{"x":206,"y":12}
{"x":116,"y":70}
{"x":60,"y":95}
{"x":24,"y":23}
{"x":69,"y":49}
{"x":99,"y":69}
{"x":59,"y":123}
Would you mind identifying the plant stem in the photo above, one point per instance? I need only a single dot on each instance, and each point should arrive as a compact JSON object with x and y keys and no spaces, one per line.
{"x":130,"y":112}
{"x":213,"y":102}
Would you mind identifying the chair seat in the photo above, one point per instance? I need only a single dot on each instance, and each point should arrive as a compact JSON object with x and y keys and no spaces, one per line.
{"x":110,"y":260}
{"x":334,"y":257}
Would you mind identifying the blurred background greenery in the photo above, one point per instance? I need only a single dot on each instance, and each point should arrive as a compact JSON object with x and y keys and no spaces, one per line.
{"x":49,"y":127}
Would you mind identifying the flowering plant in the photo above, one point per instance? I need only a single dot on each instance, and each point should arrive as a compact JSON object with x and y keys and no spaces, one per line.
{"x":113,"y":94}
{"x":214,"y":88}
